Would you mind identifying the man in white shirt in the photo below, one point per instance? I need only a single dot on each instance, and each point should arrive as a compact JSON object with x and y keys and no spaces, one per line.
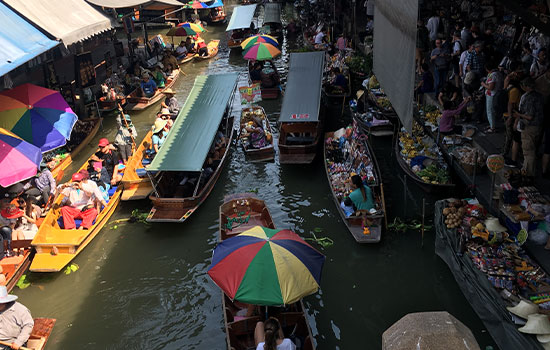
{"x":79,"y":202}
{"x":433,"y":26}
{"x":181,"y":50}
{"x":319,"y":37}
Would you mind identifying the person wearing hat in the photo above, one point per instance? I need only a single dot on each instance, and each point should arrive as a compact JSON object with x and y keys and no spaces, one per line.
{"x":202,"y":49}
{"x":125,"y":136}
{"x":148,"y":86}
{"x":159,"y":135}
{"x":78,"y":202}
{"x":171,"y":102}
{"x":99,"y":174}
{"x":10,"y":216}
{"x":165,"y":114}
{"x":531,"y":116}
{"x":16,"y":322}
{"x":110,"y":157}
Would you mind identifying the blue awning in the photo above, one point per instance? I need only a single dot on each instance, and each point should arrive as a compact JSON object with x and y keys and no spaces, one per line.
{"x":241,"y":17}
{"x":19,"y":40}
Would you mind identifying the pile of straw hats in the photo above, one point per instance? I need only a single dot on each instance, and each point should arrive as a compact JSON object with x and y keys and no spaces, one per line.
{"x":537,"y":324}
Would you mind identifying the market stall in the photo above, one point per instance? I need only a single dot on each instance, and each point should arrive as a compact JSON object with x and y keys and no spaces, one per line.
{"x":492,"y":269}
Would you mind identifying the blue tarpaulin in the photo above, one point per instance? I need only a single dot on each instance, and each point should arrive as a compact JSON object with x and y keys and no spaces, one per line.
{"x":19,"y":40}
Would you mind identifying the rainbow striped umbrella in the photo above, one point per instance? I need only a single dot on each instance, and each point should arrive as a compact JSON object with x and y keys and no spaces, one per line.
{"x":186,"y":28}
{"x":38,"y":115}
{"x":19,"y":160}
{"x":263,"y":266}
{"x":261,"y":52}
{"x":260,"y":38}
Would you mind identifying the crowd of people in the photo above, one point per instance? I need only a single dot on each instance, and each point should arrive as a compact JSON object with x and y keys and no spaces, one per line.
{"x":478,"y":73}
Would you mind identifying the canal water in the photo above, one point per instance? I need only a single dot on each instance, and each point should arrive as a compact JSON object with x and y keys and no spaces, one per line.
{"x":145,"y":286}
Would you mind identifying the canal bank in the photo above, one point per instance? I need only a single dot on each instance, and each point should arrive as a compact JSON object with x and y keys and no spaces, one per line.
{"x":145,"y":286}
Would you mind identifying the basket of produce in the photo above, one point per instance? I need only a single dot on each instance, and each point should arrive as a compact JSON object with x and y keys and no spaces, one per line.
{"x":471,"y":158}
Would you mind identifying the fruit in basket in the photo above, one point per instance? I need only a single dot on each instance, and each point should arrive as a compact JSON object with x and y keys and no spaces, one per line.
{"x":433,"y":117}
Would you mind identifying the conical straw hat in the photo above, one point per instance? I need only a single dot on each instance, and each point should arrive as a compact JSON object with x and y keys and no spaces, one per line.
{"x":536,"y":324}
{"x":524,"y":308}
{"x":544,"y":339}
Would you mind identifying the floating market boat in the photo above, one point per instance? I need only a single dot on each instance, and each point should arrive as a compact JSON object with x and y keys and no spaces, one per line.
{"x":13,"y":267}
{"x":135,"y":181}
{"x":300,"y":124}
{"x":138,"y":103}
{"x":265,"y":153}
{"x":367,"y":227}
{"x":430,"y":186}
{"x":238,"y":28}
{"x":217,"y":15}
{"x":106,"y":106}
{"x":185,"y":169}
{"x":188,"y":58}
{"x":238,"y":213}
{"x":212,"y":50}
{"x":267,"y":93}
{"x":56,"y":246}
{"x":337,"y":96}
{"x":89,"y":132}
{"x":272,"y":24}
{"x":40,"y":333}
{"x":373,"y":123}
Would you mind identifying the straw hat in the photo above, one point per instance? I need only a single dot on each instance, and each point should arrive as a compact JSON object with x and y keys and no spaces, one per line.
{"x":536,"y":324}
{"x":159,"y":125}
{"x":544,"y":339}
{"x":524,"y":308}
{"x":5,"y":297}
{"x":169,"y":91}
{"x":165,"y":111}
{"x":359,"y":93}
{"x":493,"y":225}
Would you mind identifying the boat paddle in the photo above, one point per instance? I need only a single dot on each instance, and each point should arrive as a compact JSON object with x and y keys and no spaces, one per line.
{"x":126,"y":122}
{"x":9,"y":345}
{"x":182,"y":72}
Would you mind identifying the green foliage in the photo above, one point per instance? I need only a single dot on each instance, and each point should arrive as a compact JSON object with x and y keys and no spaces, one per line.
{"x":23,"y":282}
{"x":71,"y":268}
{"x":434,"y":173}
{"x":324,"y":242}
{"x":401,"y":226}
{"x":361,"y":64}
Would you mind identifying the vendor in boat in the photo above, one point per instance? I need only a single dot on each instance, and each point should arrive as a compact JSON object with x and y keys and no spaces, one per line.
{"x":148,"y":86}
{"x":16,"y":322}
{"x":169,"y":60}
{"x":361,"y":196}
{"x":255,"y":132}
{"x":126,"y":133}
{"x":256,"y":72}
{"x":339,"y":80}
{"x":181,"y":50}
{"x":269,"y":336}
{"x":189,"y":45}
{"x":201,"y":48}
{"x":109,"y":157}
{"x":269,"y":77}
{"x":447,"y":122}
{"x":171,"y":102}
{"x":159,"y":77}
{"x":79,"y":202}
{"x":159,"y":135}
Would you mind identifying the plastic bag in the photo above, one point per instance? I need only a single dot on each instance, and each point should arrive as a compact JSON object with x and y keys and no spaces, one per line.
{"x":538,"y":236}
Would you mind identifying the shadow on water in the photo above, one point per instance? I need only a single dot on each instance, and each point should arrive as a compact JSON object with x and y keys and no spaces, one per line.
{"x":145,"y":286}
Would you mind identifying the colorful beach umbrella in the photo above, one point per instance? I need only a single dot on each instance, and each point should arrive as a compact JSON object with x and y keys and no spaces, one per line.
{"x":38,"y":115}
{"x":263,"y":266}
{"x":186,"y":28}
{"x":261,"y":38}
{"x":19,"y":160}
{"x":261,"y":52}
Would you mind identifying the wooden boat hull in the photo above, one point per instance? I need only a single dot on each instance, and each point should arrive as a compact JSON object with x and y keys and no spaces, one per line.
{"x":298,"y":154}
{"x":374,"y":130}
{"x":235,"y":43}
{"x":240,"y":332}
{"x":68,"y":243}
{"x":14,"y":267}
{"x":427,"y":187}
{"x":213,"y":47}
{"x":138,"y":103}
{"x":190,"y":57}
{"x":263,"y":154}
{"x":109,"y":106}
{"x":57,"y":172}
{"x":180,"y":209}
{"x":136,"y":187}
{"x":40,"y":333}
{"x":331,"y":97}
{"x":355,"y":223}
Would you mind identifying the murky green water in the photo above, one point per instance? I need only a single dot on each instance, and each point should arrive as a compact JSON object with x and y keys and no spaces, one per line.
{"x":145,"y":287}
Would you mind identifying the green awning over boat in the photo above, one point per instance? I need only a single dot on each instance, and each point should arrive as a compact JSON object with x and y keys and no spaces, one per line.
{"x":193,"y":132}
{"x":241,"y":17}
{"x":303,"y":87}
{"x":272,"y":13}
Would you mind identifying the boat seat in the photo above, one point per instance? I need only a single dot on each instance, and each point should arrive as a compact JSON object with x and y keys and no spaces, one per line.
{"x":244,"y":326}
{"x":141,"y":172}
{"x":299,"y":140}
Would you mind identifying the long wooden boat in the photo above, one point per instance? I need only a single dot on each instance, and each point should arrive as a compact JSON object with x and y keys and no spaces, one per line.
{"x":428,"y":187}
{"x":383,"y":127}
{"x":212,"y":50}
{"x":356,"y":223}
{"x":40,"y":333}
{"x":138,"y":103}
{"x":267,"y":93}
{"x":136,"y":186}
{"x":239,"y":330}
{"x":299,"y":142}
{"x":265,"y":153}
{"x":217,"y":18}
{"x":233,"y":43}
{"x":58,"y":170}
{"x":179,"y":209}
{"x":190,"y":57}
{"x":106,"y":106}
{"x":13,"y":267}
{"x":56,"y":247}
